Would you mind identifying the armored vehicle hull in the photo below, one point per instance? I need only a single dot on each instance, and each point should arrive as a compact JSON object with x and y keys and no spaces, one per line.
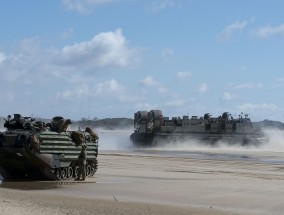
{"x":27,"y":151}
{"x":152,"y":128}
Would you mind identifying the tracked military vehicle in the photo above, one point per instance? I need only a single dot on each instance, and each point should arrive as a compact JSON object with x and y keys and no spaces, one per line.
{"x":34,"y":149}
{"x":152,"y":128}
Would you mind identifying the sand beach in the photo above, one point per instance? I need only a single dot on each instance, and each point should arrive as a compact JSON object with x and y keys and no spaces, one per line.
{"x":159,"y":182}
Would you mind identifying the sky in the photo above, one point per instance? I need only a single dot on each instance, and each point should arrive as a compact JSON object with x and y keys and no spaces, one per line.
{"x":112,"y":58}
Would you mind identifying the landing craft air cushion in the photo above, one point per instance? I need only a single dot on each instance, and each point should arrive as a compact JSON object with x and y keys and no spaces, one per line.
{"x":152,"y":128}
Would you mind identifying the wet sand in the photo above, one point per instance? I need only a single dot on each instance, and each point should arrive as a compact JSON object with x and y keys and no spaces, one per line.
{"x":160,"y":182}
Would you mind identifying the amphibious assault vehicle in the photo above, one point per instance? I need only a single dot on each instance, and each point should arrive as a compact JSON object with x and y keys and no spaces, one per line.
{"x":34,"y":149}
{"x":152,"y":128}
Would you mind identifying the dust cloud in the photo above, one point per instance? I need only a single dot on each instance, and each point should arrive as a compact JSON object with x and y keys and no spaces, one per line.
{"x":273,"y":142}
{"x":120,"y":140}
{"x":114,"y":139}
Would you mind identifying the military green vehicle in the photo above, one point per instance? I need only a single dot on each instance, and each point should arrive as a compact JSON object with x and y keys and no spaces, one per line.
{"x":34,"y":149}
{"x":152,"y":128}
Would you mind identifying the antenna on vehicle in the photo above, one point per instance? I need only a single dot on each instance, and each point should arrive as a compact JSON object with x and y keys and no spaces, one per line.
{"x":89,"y":107}
{"x":81,"y":111}
{"x":32,"y":114}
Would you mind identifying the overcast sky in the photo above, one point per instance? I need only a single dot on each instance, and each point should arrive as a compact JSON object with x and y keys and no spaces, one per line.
{"x":111,"y":58}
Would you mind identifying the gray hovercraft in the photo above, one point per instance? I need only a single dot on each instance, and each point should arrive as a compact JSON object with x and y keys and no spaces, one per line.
{"x":152,"y":128}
